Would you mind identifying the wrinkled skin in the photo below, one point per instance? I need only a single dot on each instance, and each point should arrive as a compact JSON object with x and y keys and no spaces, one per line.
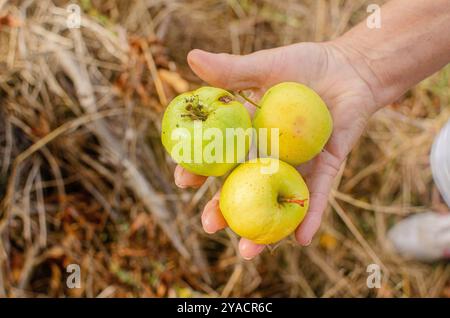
{"x":327,"y":69}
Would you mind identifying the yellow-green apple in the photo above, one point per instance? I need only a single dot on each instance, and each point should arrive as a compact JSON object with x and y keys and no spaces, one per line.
{"x":264,"y":200}
{"x":302,"y":118}
{"x":206,"y":131}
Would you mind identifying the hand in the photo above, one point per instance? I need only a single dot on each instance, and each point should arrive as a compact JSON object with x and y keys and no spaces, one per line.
{"x":325,"y":67}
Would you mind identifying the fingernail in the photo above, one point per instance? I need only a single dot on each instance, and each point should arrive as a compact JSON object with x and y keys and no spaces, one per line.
{"x":181,"y":186}
{"x":307,"y":243}
{"x":207,"y":224}
{"x":194,"y":55}
{"x":177,"y":176}
{"x":244,"y":247}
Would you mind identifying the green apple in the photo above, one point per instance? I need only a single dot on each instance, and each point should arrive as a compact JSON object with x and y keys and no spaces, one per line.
{"x":302,"y":118}
{"x":207,"y":131}
{"x":264,"y":200}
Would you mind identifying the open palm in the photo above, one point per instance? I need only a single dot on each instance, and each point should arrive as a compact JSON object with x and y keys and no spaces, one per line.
{"x":325,"y":68}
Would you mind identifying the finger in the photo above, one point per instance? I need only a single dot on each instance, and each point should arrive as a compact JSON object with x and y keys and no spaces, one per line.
{"x":324,"y":170}
{"x":312,"y":220}
{"x":233,"y":72}
{"x":212,"y":219}
{"x":248,"y":249}
{"x":184,"y":179}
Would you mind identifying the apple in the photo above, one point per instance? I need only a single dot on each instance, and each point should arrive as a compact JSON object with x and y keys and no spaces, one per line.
{"x":206,"y":131}
{"x":302,"y":118}
{"x":264,"y":200}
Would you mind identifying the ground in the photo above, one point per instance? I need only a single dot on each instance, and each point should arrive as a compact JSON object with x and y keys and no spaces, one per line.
{"x":84,"y":179}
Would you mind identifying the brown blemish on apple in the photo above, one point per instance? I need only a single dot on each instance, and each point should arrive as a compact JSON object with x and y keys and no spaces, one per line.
{"x":195,"y":111}
{"x":298,"y":123}
{"x":225,"y":99}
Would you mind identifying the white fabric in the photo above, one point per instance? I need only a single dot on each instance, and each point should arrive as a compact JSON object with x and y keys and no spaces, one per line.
{"x":424,"y":236}
{"x":440,"y":162}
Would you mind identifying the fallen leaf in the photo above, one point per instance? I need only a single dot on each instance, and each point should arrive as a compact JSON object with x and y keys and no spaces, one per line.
{"x":328,"y":241}
{"x":10,"y":21}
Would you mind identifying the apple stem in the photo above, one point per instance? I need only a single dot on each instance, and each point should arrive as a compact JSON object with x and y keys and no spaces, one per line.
{"x":248,"y":99}
{"x":297,"y":201}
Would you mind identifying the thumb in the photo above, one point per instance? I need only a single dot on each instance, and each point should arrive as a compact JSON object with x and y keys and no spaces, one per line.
{"x":232,"y":72}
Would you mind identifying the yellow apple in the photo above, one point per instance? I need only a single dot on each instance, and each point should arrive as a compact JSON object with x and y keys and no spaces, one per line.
{"x":264,"y":200}
{"x":302,"y":118}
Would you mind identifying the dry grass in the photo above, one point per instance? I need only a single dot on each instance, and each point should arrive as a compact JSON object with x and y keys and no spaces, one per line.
{"x":84,"y":178}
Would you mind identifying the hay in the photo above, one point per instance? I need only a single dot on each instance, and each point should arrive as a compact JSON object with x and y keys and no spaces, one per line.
{"x":84,"y":178}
